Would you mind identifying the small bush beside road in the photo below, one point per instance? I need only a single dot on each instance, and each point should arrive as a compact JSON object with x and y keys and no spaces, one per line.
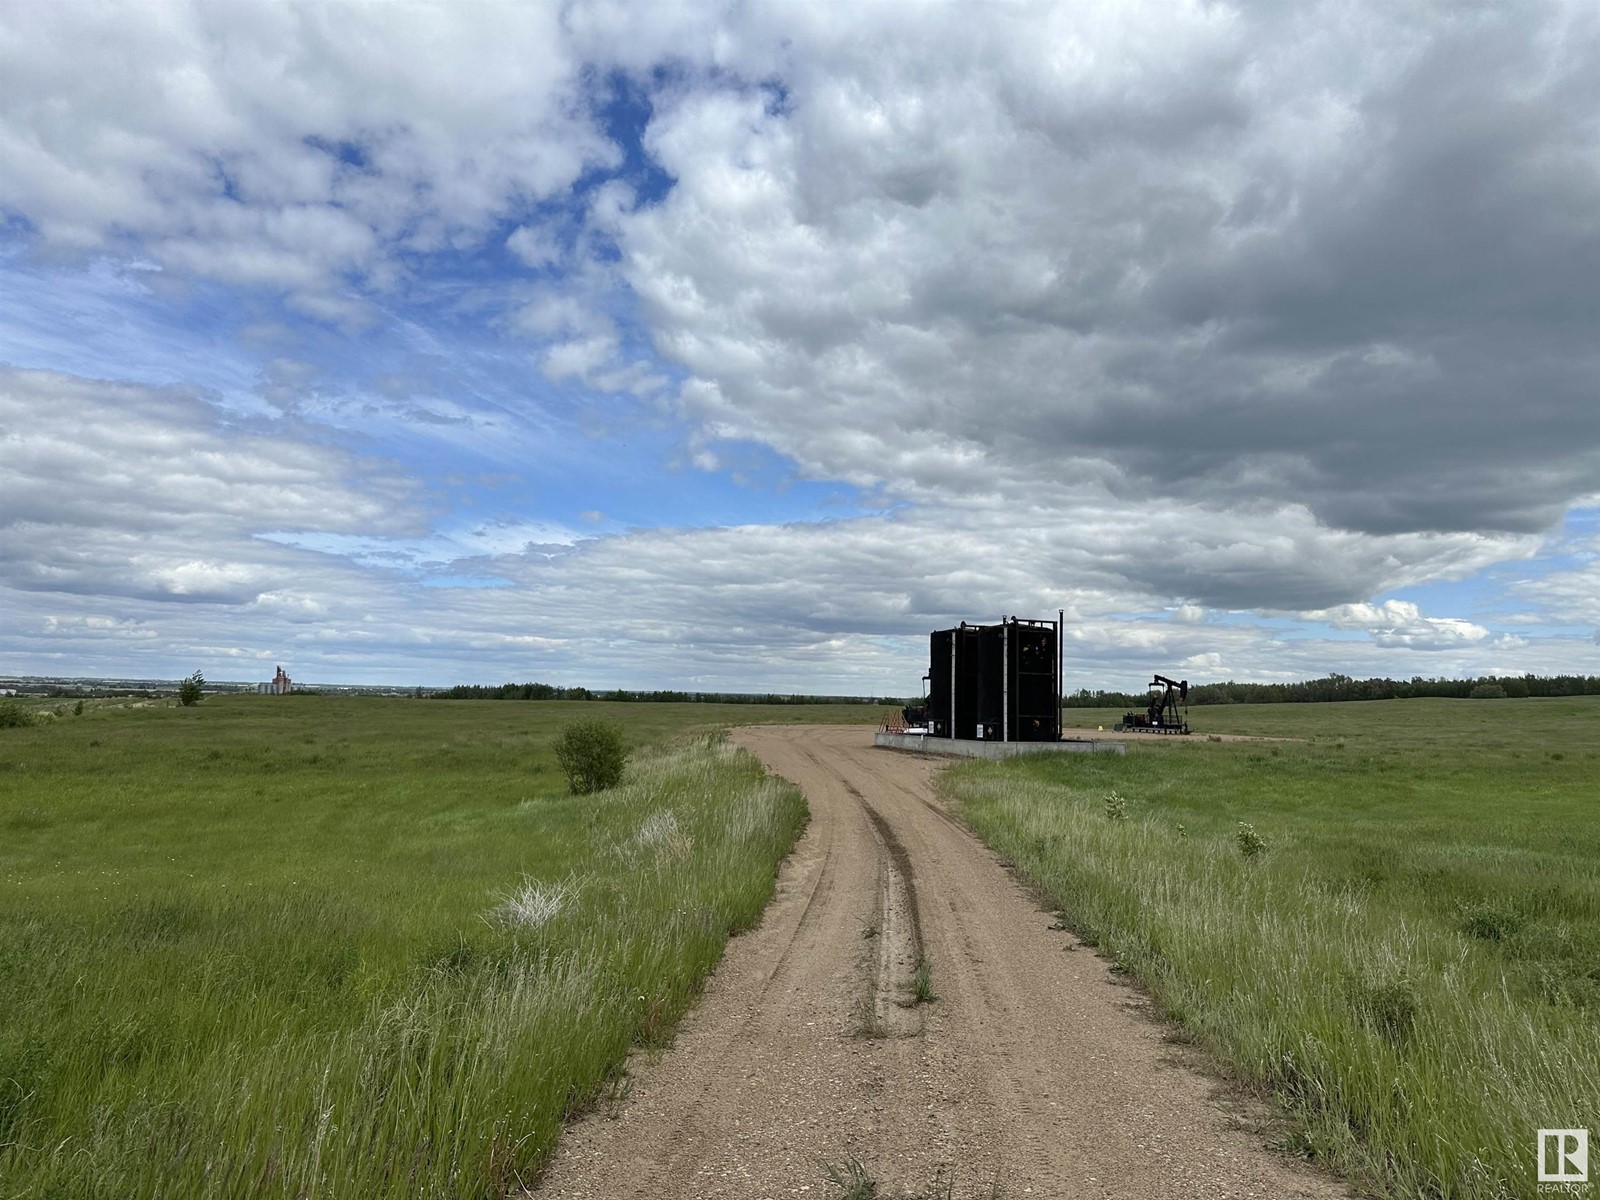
{"x":592,"y":754}
{"x":191,"y":690}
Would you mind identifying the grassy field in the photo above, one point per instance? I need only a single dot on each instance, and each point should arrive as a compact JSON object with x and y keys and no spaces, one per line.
{"x":1392,"y":924}
{"x":321,"y":947}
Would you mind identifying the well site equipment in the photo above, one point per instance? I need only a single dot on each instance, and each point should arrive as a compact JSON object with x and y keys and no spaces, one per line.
{"x":992,"y":691}
{"x":997,"y":683}
{"x":1161,"y":715}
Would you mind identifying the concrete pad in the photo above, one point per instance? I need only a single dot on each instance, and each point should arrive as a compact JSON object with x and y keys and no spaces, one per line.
{"x":971,"y":748}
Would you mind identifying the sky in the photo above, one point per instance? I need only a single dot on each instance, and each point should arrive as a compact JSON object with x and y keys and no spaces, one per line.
{"x":738,"y":346}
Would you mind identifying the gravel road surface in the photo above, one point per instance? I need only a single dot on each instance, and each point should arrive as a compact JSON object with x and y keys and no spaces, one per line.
{"x":1033,"y":1073}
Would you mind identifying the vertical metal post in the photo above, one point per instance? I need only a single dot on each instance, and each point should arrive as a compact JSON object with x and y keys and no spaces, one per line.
{"x":1005,"y":681}
{"x":1061,"y":670}
{"x":955,"y":640}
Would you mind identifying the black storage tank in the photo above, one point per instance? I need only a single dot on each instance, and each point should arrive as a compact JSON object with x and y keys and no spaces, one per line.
{"x":996,"y":682}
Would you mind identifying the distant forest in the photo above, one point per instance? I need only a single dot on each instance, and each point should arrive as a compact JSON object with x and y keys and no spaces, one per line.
{"x":1342,"y":687}
{"x":547,"y":691}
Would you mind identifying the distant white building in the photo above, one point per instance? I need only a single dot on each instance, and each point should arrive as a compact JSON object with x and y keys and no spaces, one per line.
{"x":281,"y":685}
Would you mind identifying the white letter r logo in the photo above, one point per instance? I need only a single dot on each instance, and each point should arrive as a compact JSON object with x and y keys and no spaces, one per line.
{"x":1571,"y":1156}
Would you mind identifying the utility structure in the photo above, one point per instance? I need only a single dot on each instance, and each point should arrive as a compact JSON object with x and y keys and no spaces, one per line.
{"x":995,"y":682}
{"x":1162,"y":715}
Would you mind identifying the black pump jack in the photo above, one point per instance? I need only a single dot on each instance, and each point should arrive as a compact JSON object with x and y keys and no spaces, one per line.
{"x":1162,"y":715}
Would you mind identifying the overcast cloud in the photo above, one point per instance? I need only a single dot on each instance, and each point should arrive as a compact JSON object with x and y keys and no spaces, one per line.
{"x":742,"y":345}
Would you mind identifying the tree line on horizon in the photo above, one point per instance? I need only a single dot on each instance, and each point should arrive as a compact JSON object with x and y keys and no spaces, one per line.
{"x":1337,"y":687}
{"x":549,"y":691}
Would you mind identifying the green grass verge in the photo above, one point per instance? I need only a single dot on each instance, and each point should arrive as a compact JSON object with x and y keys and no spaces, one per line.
{"x":347,"y":947}
{"x":1408,"y":958}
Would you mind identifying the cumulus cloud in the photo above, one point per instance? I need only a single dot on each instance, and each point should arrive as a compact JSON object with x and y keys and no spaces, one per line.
{"x":301,"y":147}
{"x":1568,"y":596}
{"x":113,"y":489}
{"x":1232,"y":254}
{"x":1401,"y":623}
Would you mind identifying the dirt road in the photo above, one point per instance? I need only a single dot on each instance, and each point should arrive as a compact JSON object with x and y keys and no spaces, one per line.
{"x":1033,"y":1073}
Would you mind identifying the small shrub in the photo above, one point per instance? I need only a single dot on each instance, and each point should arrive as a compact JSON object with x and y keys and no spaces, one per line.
{"x":1562,"y":990}
{"x":1250,"y":842}
{"x":1487,"y":691}
{"x":534,"y":904}
{"x":1116,"y":807}
{"x":77,"y":709}
{"x":592,"y":755}
{"x":1490,"y":922}
{"x":852,"y":1180}
{"x":1390,"y":1008}
{"x":663,"y":838}
{"x":190,"y":689}
{"x":13,"y":715}
{"x":869,"y":1025}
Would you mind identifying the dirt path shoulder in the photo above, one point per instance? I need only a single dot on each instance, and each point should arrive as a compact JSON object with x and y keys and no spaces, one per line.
{"x":1033,"y":1072}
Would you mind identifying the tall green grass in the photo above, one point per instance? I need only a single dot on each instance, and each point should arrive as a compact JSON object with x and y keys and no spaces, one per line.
{"x":337,"y":949}
{"x":1411,"y":964}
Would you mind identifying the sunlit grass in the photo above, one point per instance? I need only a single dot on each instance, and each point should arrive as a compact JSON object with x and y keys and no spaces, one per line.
{"x":1395,"y":927}
{"x":364,"y":948}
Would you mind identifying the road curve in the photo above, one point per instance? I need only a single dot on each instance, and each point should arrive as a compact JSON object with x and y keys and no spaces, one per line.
{"x":1033,"y":1073}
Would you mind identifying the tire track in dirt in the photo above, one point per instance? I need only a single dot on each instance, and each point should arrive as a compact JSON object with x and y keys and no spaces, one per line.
{"x":898,"y":936}
{"x":1035,"y":1069}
